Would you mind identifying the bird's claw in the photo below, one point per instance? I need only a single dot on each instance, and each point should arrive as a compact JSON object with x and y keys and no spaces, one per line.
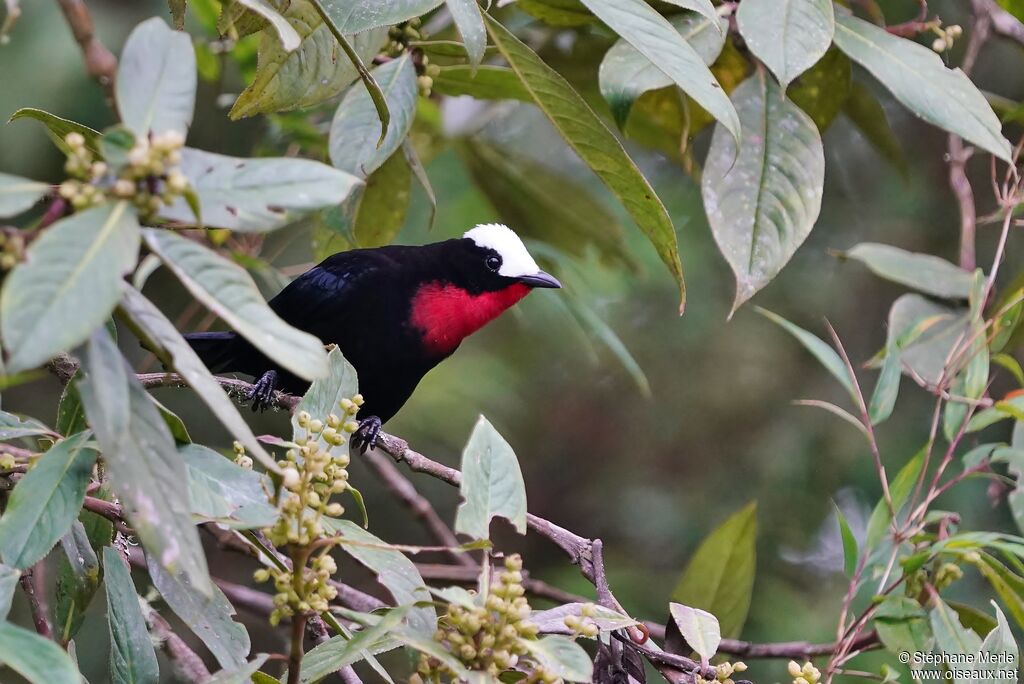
{"x":365,"y":436}
{"x":262,"y":393}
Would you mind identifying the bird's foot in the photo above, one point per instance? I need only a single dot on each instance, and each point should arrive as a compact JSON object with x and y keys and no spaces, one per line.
{"x":365,"y":436}
{"x":262,"y":393}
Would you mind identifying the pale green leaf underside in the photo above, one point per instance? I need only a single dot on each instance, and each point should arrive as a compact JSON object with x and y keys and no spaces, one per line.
{"x":492,"y":484}
{"x":789,"y":36}
{"x":923,"y":272}
{"x":18,"y":194}
{"x":466,"y":15}
{"x":37,"y":659}
{"x":287,"y":34}
{"x":156,"y":79}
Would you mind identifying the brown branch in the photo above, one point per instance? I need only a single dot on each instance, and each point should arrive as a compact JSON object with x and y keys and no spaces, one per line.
{"x":187,"y":664}
{"x":100,"y":63}
{"x":795,"y":650}
{"x":109,"y":510}
{"x":469,"y":575}
{"x":39,"y":618}
{"x":1004,"y":24}
{"x":236,"y":389}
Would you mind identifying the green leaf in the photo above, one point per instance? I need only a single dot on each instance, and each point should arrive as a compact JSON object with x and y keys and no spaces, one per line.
{"x":143,"y":465}
{"x":314,"y":72}
{"x":68,"y":284}
{"x":922,"y":272}
{"x":720,"y":575}
{"x":58,"y":128}
{"x":223,"y":491}
{"x":825,"y":354}
{"x":917,"y":77}
{"x":161,"y":334}
{"x":466,"y":15}
{"x":1007,"y":585}
{"x":902,"y":625}
{"x":132,"y":659}
{"x":492,"y":484}
{"x":115,"y":145}
{"x":699,"y":627}
{"x":553,"y":620}
{"x":208,"y":617}
{"x":8,"y":583}
{"x":486,"y":83}
{"x":177,"y":8}
{"x":625,"y":74}
{"x":999,"y":646}
{"x":14,"y":427}
{"x":788,"y":36}
{"x":288,"y":36}
{"x":1002,"y":410}
{"x":823,"y":90}
{"x":887,"y":389}
{"x":952,"y":638}
{"x":70,"y":414}
{"x":703,"y":7}
{"x":763,"y":200}
{"x":562,"y":657}
{"x":255,"y":195}
{"x":156,"y":79}
{"x":18,"y":194}
{"x":37,"y":659}
{"x":324,"y":398}
{"x":241,"y":675}
{"x":899,"y":489}
{"x":972,"y":618}
{"x":595,"y":144}
{"x":338,"y":652}
{"x":45,"y":502}
{"x":868,"y":115}
{"x":565,"y":13}
{"x":850,"y":551}
{"x":228,"y":290}
{"x":78,"y":578}
{"x":384,"y":204}
{"x":356,"y":127}
{"x":942,"y":326}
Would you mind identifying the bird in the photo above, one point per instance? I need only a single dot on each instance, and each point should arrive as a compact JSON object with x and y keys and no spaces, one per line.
{"x":395,"y":312}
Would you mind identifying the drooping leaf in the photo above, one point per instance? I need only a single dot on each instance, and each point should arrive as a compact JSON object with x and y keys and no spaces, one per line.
{"x":699,"y":627}
{"x":287,"y":34}
{"x":143,"y":466}
{"x":562,"y":657}
{"x":156,"y":79}
{"x":763,"y":201}
{"x":257,"y":194}
{"x":702,"y":7}
{"x":487,"y":83}
{"x":825,"y":354}
{"x":8,"y":583}
{"x":356,"y":127}
{"x":953,"y":639}
{"x":923,"y":272}
{"x":15,"y":427}
{"x":903,"y":625}
{"x":223,"y":491}
{"x":492,"y":484}
{"x":209,"y":617}
{"x":324,"y":397}
{"x":45,"y":502}
{"x":132,"y":659}
{"x":595,"y":144}
{"x":384,"y":204}
{"x":37,"y":659}
{"x":720,"y":575}
{"x":866,"y":113}
{"x":788,"y":36}
{"x":58,"y":127}
{"x":1007,"y":585}
{"x":354,"y":16}
{"x":338,"y":652}
{"x":68,"y":284}
{"x":18,"y":194}
{"x":887,"y":388}
{"x":999,"y":645}
{"x":917,"y":77}
{"x":228,"y":290}
{"x":466,"y":15}
{"x":78,"y":578}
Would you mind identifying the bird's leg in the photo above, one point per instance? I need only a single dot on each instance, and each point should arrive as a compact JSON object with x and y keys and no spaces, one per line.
{"x":365,"y":436}
{"x":262,"y":393}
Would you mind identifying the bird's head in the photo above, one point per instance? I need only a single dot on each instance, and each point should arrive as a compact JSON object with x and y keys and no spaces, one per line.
{"x":496,"y":258}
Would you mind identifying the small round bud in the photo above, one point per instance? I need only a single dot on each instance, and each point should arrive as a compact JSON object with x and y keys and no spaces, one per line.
{"x":74,"y":140}
{"x":316,"y":425}
{"x":290,"y":477}
{"x":334,"y":509}
{"x":739,"y":666}
{"x":303,"y":419}
{"x":261,"y":575}
{"x":939,"y":45}
{"x":794,"y":669}
{"x":177,"y":182}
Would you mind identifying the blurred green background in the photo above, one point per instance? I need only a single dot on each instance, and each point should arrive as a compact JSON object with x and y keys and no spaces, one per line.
{"x":650,"y":475}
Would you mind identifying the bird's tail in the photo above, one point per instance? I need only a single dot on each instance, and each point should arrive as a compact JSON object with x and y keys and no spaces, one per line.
{"x":216,"y":349}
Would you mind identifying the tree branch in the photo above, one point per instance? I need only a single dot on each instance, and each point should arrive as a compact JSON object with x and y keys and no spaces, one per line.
{"x":39,"y":618}
{"x":100,"y":63}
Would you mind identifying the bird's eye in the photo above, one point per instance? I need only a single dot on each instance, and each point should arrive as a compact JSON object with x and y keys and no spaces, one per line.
{"x":493,"y":262}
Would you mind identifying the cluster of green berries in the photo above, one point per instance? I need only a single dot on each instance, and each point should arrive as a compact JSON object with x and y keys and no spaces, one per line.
{"x":804,"y":674}
{"x":946,"y":36}
{"x":7,"y":461}
{"x":309,"y":591}
{"x":940,"y":576}
{"x":489,"y":637}
{"x":12,"y":248}
{"x":311,"y":473}
{"x":149,"y":178}
{"x":724,"y":672}
{"x":402,"y":34}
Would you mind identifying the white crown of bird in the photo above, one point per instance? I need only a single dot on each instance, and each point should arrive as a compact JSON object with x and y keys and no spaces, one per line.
{"x":515,"y":260}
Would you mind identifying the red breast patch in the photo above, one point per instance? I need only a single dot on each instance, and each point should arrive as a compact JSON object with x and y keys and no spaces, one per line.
{"x":447,"y":314}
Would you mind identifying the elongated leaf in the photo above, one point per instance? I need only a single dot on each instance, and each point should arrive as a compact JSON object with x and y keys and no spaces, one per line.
{"x":825,"y":354}
{"x":143,"y":466}
{"x":156,"y":79}
{"x":353,"y":16}
{"x":68,"y":284}
{"x":8,"y":583}
{"x":699,"y":628}
{"x":655,"y":38}
{"x":162,"y":334}
{"x":209,"y":617}
{"x":18,"y":194}
{"x":562,"y":657}
{"x":553,"y":620}
{"x":917,"y":77}
{"x":324,"y":397}
{"x":37,"y":659}
{"x":132,"y":659}
{"x":241,"y":675}
{"x":850,"y":551}
{"x":903,"y":625}
{"x":355,"y":130}
{"x":925,"y":357}
{"x":228,"y":290}
{"x":625,"y":73}
{"x":339,"y":652}
{"x":78,"y":578}
{"x":486,"y":83}
{"x":13,"y":427}
{"x":315,"y":71}
{"x":595,"y":144}
{"x":763,"y":203}
{"x":220,"y":489}
{"x":289,"y":37}
{"x":954,"y":640}
{"x":720,"y":575}
{"x":899,"y":489}
{"x":702,"y":7}
{"x":887,"y":389}
{"x":257,"y":194}
{"x":923,"y":272}
{"x":46,"y":502}
{"x":788,"y":36}
{"x":466,"y":14}
{"x":557,"y":12}
{"x":492,"y":484}
{"x":999,"y":646}
{"x":59,"y":127}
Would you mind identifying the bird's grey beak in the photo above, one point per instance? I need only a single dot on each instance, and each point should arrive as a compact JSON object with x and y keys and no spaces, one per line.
{"x":540,"y":279}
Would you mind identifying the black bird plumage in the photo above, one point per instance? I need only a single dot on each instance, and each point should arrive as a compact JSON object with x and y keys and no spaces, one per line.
{"x":395,"y":312}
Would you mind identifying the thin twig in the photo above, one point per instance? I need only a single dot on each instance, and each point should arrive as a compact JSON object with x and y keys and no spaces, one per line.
{"x":100,"y":63}
{"x":188,"y":665}
{"x":39,"y":618}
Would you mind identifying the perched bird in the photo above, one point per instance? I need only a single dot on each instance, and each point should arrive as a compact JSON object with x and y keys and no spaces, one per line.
{"x":395,"y":312}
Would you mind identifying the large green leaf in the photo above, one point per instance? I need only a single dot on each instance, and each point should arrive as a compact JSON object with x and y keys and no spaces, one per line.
{"x":37,"y":659}
{"x":339,"y":651}
{"x":720,"y":576}
{"x":918,"y":78}
{"x":492,"y":484}
{"x":257,"y":194}
{"x":562,"y":657}
{"x":241,"y":675}
{"x":316,"y":71}
{"x":353,"y":16}
{"x":656,"y":39}
{"x":68,"y":284}
{"x":922,"y":272}
{"x":903,"y":625}
{"x":156,"y":79}
{"x":699,"y":627}
{"x":626,"y":74}
{"x":46,"y":502}
{"x":225,"y":492}
{"x":160,"y":333}
{"x":595,"y":144}
{"x":58,"y":128}
{"x":763,"y":201}
{"x":999,"y":646}
{"x":356,"y":127}
{"x":287,"y":34}
{"x":228,"y":290}
{"x":789,"y":36}
{"x":926,"y":356}
{"x":143,"y":465}
{"x":132,"y":659}
{"x":485,"y":83}
{"x":209,"y":617}
{"x":466,"y":15}
{"x":18,"y":194}
{"x":14,"y":427}
{"x":953,"y":639}
{"x":78,"y":578}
